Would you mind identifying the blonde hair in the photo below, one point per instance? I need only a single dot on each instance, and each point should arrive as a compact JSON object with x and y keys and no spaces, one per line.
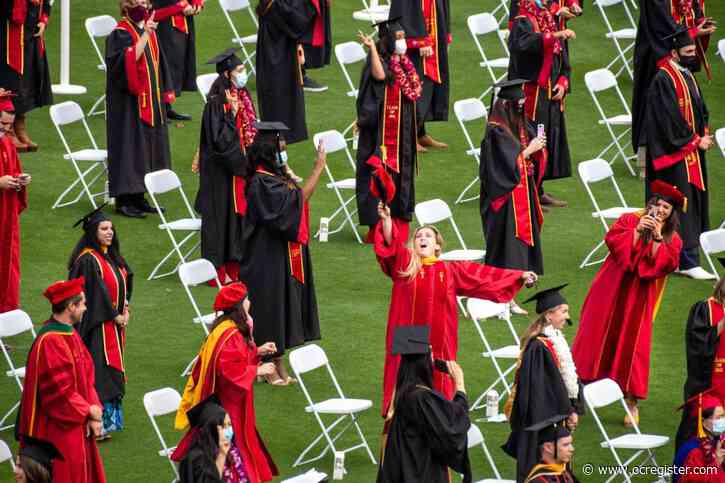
{"x":411,"y":271}
{"x":536,"y":328}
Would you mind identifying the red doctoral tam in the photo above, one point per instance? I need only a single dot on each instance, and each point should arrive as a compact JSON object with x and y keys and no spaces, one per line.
{"x":229,"y":296}
{"x":382,"y":185}
{"x":670,"y":193}
{"x":6,"y":101}
{"x":63,"y":290}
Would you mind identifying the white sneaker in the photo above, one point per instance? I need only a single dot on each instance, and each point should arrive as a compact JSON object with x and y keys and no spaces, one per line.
{"x":697,"y":273}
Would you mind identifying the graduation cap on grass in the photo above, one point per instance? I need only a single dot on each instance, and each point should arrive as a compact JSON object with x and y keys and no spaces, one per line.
{"x":680,"y":38}
{"x":41,"y":451}
{"x":94,"y":217}
{"x":550,"y":430}
{"x":382,"y":185}
{"x":411,"y":340}
{"x":208,"y":409}
{"x":548,"y":299}
{"x":226,"y":60}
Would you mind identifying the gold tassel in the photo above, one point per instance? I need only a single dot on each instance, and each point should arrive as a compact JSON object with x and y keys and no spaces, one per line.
{"x":700,"y":431}
{"x":684,"y":204}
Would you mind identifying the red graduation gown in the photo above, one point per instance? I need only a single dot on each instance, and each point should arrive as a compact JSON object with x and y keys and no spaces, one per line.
{"x":430,"y":299}
{"x":58,"y":390}
{"x":615,"y":331}
{"x":699,"y":468}
{"x":12,"y":203}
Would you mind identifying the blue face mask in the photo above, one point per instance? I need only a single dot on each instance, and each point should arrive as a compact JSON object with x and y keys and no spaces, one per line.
{"x":718,"y":426}
{"x":539,"y":3}
{"x":240,"y":80}
{"x":229,"y":433}
{"x":281,"y":158}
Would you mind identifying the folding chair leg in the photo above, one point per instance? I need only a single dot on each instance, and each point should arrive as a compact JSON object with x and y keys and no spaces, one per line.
{"x":461,"y":198}
{"x":176,"y":250}
{"x":100,"y":101}
{"x":7,"y":415}
{"x":362,"y":438}
{"x":81,"y":179}
{"x":189,"y":367}
{"x":491,"y":462}
{"x":330,"y":442}
{"x":587,"y":263}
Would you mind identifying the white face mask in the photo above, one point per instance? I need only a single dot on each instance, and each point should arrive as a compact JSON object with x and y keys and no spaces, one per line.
{"x":400,"y":46}
{"x":240,"y":80}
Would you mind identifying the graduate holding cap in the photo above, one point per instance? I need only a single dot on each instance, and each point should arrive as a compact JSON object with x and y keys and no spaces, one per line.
{"x":34,"y":463}
{"x":556,"y":449}
{"x":227,"y":130}
{"x":108,"y":287}
{"x":546,"y":383}
{"x":276,"y":263}
{"x":427,"y":435}
{"x":513,"y":159}
{"x":614,"y":339}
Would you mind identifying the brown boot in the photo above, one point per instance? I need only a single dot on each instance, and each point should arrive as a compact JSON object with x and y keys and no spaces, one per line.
{"x":19,"y":146}
{"x":22,"y":133}
{"x":429,"y":142}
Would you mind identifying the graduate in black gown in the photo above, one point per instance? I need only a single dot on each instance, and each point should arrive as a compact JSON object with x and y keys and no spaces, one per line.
{"x":317,"y":44}
{"x":177,"y":37}
{"x":556,"y":449}
{"x":540,"y":391}
{"x":510,"y":212}
{"x":282,"y":24}
{"x":677,"y":139}
{"x":428,"y":33}
{"x":276,"y":263}
{"x":574,"y":8}
{"x":428,"y":434}
{"x":227,"y":128}
{"x":137,"y":88}
{"x":386,"y":106}
{"x":108,"y":287}
{"x":35,"y":461}
{"x":23,"y":62}
{"x":539,"y":55}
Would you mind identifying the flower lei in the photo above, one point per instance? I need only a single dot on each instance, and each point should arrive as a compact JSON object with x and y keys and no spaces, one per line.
{"x":234,"y":471}
{"x":567,"y":367}
{"x":248,"y":116}
{"x":544,"y":19}
{"x":684,"y":8}
{"x":406,"y":77}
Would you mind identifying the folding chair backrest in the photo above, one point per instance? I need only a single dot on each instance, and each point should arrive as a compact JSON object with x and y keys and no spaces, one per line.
{"x":600,"y":80}
{"x":713,"y":241}
{"x":602,"y":393}
{"x":12,"y":323}
{"x":720,"y":138}
{"x":162,"y":181}
{"x":160,"y":403}
{"x":468,"y":110}
{"x":234,"y":5}
{"x":204,"y":82}
{"x":334,"y":141}
{"x":65,"y":113}
{"x":475,"y":437}
{"x":434,"y":211}
{"x":721,"y":48}
{"x":99,"y":27}
{"x":230,"y":6}
{"x":6,"y":454}
{"x":479,"y":25}
{"x":348,"y":53}
{"x":602,"y":4}
{"x":197,"y":272}
{"x":307,"y":358}
{"x":594,"y":171}
{"x":480,"y":309}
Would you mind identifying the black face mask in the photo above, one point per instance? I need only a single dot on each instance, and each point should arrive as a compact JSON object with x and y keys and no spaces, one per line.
{"x":690,"y":62}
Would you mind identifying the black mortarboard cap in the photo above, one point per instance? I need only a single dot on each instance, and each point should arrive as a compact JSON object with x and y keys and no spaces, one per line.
{"x":93,"y":218}
{"x":511,"y":90}
{"x":388,"y":26}
{"x":270,"y":126}
{"x":548,"y":299}
{"x":411,"y":339}
{"x":225,"y":61}
{"x":551,"y":429}
{"x":40,"y":451}
{"x":680,"y":38}
{"x":209,"y":408}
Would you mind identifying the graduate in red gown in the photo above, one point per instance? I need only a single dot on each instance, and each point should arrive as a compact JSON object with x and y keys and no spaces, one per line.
{"x":59,"y":402}
{"x":13,"y":200}
{"x":227,"y":365}
{"x":425,"y":290}
{"x":615,"y":333}
{"x":701,"y":457}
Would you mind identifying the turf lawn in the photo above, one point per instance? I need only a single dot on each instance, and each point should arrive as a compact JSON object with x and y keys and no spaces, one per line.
{"x":353,"y":294}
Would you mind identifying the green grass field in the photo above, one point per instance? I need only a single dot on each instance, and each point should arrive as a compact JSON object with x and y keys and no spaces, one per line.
{"x":353,"y":294}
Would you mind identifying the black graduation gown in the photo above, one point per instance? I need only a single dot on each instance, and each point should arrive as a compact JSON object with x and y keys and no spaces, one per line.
{"x":110,"y":383}
{"x":279,"y":77}
{"x":428,"y":435}
{"x":655,"y":23}
{"x":433,"y":104}
{"x":179,"y":50}
{"x":499,"y":175}
{"x":134,"y":147}
{"x":667,"y":133}
{"x":540,"y":395}
{"x":316,"y":57}
{"x":220,"y":159}
{"x":370,"y":110}
{"x":195,"y":468}
{"x":33,"y":88}
{"x":527,"y":50}
{"x":284,"y":310}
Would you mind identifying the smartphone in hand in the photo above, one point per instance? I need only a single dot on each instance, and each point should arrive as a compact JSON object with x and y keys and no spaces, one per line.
{"x":440,"y":365}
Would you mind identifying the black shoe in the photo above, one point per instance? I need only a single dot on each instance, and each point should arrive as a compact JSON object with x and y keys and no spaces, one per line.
{"x":130,"y":211}
{"x":312,"y":86}
{"x":171,"y":114}
{"x":145,"y":207}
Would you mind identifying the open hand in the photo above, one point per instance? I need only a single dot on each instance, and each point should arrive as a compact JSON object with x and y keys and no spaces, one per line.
{"x":383,"y":211}
{"x":535,"y":145}
{"x":321,"y":155}
{"x":705,"y":143}
{"x":366,"y":40}
{"x":267,"y":348}
{"x":41,"y":30}
{"x":150,"y":24}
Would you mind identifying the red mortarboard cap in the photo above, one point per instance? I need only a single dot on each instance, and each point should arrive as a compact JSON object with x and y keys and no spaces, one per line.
{"x":382,"y":185}
{"x":670,"y":192}
{"x":699,"y":403}
{"x":6,"y":102}
{"x":63,"y":290}
{"x":229,"y":296}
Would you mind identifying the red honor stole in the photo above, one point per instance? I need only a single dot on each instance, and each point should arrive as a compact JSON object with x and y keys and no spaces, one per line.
{"x":684,"y":101}
{"x":431,"y":65}
{"x":429,"y":296}
{"x":393,"y":104}
{"x":542,"y":22}
{"x":245,"y":124}
{"x":318,"y":29}
{"x":114,"y":337}
{"x":139,"y":74}
{"x":683,"y":13}
{"x":15,"y":44}
{"x":550,"y":346}
{"x":717,"y":312}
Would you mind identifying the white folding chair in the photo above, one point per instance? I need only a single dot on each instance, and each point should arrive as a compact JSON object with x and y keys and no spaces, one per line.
{"x":468,"y":110}
{"x":434,"y":211}
{"x":204,"y":82}
{"x":720,"y":138}
{"x":594,"y":171}
{"x":309,"y":358}
{"x":334,"y":142}
{"x":484,"y":24}
{"x":475,"y":438}
{"x":623,"y":38}
{"x":6,"y":454}
{"x":605,"y":393}
{"x":601,"y":80}
{"x":192,"y":274}
{"x":480,"y":311}
{"x":721,"y":48}
{"x":63,"y":114}
{"x":97,"y":28}
{"x":13,"y":323}
{"x":160,"y":182}
{"x":503,"y":7}
{"x":712,"y":241}
{"x":231,"y":6}
{"x":160,"y":403}
{"x":348,"y":53}
{"x":372,"y":12}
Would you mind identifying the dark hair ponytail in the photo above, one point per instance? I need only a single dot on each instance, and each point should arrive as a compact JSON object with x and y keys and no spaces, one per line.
{"x":238,"y":315}
{"x":415,"y":370}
